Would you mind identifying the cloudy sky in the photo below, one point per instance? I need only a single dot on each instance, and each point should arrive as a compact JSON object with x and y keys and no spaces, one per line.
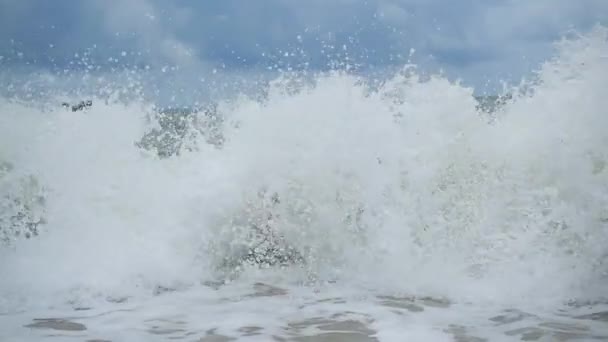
{"x":478,"y":41}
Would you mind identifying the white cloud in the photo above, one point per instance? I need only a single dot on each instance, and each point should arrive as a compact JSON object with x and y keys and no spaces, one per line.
{"x":142,"y":20}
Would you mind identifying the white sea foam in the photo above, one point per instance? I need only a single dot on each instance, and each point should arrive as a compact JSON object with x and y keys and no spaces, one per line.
{"x":404,"y":189}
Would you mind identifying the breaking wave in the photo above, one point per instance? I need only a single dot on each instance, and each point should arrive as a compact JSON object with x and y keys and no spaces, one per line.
{"x":407,"y":186}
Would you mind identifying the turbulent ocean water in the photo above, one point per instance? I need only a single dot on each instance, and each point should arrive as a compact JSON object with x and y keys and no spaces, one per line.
{"x":325,"y":210}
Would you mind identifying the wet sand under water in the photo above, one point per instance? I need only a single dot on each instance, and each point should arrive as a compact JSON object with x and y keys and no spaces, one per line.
{"x":268,"y":313}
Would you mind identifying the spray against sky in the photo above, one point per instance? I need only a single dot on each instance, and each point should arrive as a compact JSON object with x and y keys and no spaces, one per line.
{"x":186,"y":44}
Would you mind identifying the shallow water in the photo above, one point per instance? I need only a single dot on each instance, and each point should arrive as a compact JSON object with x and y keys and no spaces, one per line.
{"x":262,"y":312}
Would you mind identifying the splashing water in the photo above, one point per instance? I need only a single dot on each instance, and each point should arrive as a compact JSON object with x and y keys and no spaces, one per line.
{"x":407,"y":188}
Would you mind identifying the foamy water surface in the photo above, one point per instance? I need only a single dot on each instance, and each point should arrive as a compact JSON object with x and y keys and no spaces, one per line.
{"x":417,"y":216}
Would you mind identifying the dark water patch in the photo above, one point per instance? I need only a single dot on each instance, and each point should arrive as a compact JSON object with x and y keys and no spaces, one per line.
{"x":216,"y":285}
{"x":211,"y":336}
{"x":434,"y":302}
{"x":528,"y":333}
{"x":406,"y":303}
{"x":259,"y":290}
{"x":97,"y":315}
{"x":117,"y":300}
{"x":166,"y":320}
{"x":398,"y":312}
{"x":587,"y":303}
{"x":546,"y":331}
{"x":63,"y":337}
{"x":166,"y":326}
{"x":310,"y":322}
{"x":336,"y":337}
{"x":460,"y":334}
{"x":348,"y":326}
{"x":82,"y":308}
{"x":250,"y":330}
{"x":511,"y":316}
{"x":159,"y":290}
{"x":576,"y":337}
{"x":56,"y":324}
{"x":569,"y":327}
{"x":179,"y":128}
{"x":182,"y":336}
{"x":336,"y":300}
{"x":265,"y":290}
{"x":596,"y":316}
{"x":335,"y":328}
{"x":216,"y":338}
{"x":164,"y":331}
{"x":342,"y":314}
{"x":412,"y":303}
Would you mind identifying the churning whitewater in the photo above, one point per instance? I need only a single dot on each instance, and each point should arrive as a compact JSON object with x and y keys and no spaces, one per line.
{"x":325,"y":208}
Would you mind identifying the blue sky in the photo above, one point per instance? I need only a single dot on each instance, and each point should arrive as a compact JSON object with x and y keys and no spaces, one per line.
{"x":480,"y":42}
